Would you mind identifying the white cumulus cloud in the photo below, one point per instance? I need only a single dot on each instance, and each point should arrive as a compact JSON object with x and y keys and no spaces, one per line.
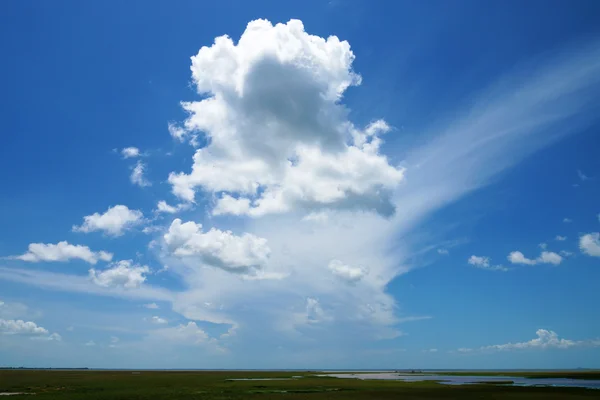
{"x":137,"y":175}
{"x":216,"y":248}
{"x":549,"y":257}
{"x":484,"y":263}
{"x":545,"y":340}
{"x":163,"y":207}
{"x":590,"y":244}
{"x":62,"y":251}
{"x":113,"y":222}
{"x":130,"y":152}
{"x":26,"y":328}
{"x":546,"y":257}
{"x":274,"y":122}
{"x":561,"y":238}
{"x":122,"y":273}
{"x":151,"y":306}
{"x":18,"y":326}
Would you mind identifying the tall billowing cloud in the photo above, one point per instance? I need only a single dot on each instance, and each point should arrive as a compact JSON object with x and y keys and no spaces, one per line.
{"x":279,"y":140}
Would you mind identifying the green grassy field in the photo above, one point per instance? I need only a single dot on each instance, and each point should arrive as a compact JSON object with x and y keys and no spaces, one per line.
{"x":128,"y":385}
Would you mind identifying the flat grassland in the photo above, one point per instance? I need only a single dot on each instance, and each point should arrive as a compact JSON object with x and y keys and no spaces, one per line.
{"x":209,"y":385}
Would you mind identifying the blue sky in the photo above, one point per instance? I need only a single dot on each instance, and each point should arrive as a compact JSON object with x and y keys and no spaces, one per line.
{"x":337,"y":185}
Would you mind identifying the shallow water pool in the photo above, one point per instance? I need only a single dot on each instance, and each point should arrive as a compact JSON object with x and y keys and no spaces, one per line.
{"x":466,"y":380}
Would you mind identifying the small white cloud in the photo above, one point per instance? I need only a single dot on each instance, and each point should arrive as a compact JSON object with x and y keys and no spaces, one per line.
{"x":430,"y":351}
{"x":90,"y":343}
{"x":479,"y":261}
{"x":567,"y":220}
{"x":516,"y":257}
{"x":185,"y":334}
{"x":545,"y":340}
{"x":177,"y":132}
{"x":561,"y":238}
{"x":543,"y":246}
{"x":164,"y":207}
{"x":151,"y":306}
{"x":565,"y":253}
{"x":443,"y":251}
{"x":484,"y":263}
{"x":590,"y":244}
{"x":151,"y":229}
{"x":549,"y":257}
{"x":546,"y":257}
{"x":158,"y":320}
{"x":120,"y":274}
{"x":20,"y":327}
{"x":62,"y":251}
{"x":137,"y":175}
{"x":346,"y":272}
{"x":130,"y":152}
{"x":113,"y":222}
